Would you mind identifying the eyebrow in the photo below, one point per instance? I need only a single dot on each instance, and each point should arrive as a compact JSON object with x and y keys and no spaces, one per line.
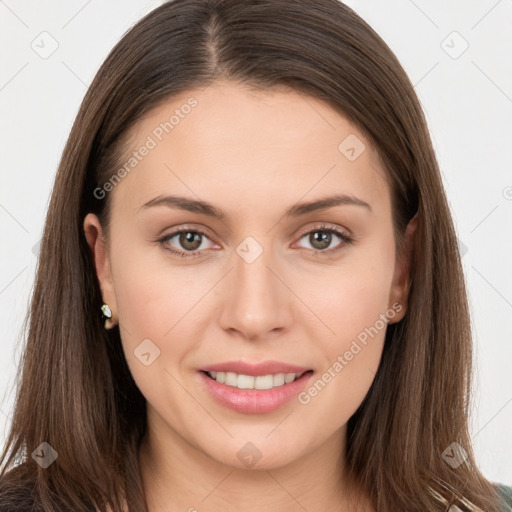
{"x":296,"y":210}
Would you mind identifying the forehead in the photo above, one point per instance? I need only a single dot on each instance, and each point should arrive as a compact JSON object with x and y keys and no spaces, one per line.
{"x":246,"y":147}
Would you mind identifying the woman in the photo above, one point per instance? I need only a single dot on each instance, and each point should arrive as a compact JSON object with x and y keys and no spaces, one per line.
{"x":249,"y":292}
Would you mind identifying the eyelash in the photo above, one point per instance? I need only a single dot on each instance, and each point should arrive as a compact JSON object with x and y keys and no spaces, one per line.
{"x":346,"y":240}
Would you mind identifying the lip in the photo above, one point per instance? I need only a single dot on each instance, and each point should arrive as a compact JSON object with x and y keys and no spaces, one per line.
{"x":255,"y":369}
{"x":254,"y":401}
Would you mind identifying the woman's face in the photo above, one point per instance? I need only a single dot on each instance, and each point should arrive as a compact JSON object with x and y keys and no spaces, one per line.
{"x":274,"y":277}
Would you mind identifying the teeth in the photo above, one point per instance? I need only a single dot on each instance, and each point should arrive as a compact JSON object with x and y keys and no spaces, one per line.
{"x":231,"y":379}
{"x":288,"y":377}
{"x":280,"y":378}
{"x":250,"y":382}
{"x":266,"y":381}
{"x":245,"y":382}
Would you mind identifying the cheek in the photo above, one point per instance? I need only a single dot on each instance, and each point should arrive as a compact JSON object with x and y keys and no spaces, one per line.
{"x":364,"y":316}
{"x":354,"y":309}
{"x":156,"y":301}
{"x":152,"y":290}
{"x":351,"y":297}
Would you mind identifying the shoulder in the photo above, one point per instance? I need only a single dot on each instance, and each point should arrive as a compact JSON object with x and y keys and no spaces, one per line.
{"x":19,"y":499}
{"x":506,"y":493}
{"x":16,"y":494}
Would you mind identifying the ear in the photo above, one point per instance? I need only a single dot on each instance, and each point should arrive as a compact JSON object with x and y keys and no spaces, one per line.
{"x":99,"y":249}
{"x":401,"y":284}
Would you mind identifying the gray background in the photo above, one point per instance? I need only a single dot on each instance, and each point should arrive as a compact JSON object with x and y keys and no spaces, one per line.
{"x":51,"y":51}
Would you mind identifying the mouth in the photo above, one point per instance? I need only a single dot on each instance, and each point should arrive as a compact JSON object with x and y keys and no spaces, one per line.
{"x":254,"y":389}
{"x":257,"y":382}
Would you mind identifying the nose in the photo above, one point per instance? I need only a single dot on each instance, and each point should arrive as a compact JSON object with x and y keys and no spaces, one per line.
{"x":256,"y":302}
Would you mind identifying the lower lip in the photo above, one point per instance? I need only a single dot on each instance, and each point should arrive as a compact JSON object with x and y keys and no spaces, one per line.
{"x":255,"y":401}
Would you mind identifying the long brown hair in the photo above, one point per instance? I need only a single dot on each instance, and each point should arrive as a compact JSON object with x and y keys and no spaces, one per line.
{"x":75,"y":391}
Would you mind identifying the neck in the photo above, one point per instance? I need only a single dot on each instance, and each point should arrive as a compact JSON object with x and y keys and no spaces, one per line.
{"x":180,"y":477}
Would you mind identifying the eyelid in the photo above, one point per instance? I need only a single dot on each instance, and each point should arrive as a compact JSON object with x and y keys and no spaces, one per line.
{"x":324,"y":226}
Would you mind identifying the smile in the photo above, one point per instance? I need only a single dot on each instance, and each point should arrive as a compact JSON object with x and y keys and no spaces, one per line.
{"x":242,"y":381}
{"x":250,"y":388}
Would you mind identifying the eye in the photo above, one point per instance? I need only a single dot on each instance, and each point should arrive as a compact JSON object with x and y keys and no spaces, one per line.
{"x":322,"y":237}
{"x":191,"y":240}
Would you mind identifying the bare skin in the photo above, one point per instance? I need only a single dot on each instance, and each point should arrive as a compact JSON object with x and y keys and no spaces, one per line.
{"x":253,"y":156}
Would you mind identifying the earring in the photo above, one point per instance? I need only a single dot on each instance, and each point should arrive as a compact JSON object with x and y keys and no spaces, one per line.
{"x":107,"y":314}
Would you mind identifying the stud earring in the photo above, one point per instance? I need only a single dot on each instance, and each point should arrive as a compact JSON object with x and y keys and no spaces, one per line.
{"x":107,"y":314}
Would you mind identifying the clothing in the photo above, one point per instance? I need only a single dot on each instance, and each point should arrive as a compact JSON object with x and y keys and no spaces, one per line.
{"x":506,"y":492}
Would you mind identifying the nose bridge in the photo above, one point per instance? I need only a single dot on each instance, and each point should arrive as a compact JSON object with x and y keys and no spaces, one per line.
{"x":256,"y":301}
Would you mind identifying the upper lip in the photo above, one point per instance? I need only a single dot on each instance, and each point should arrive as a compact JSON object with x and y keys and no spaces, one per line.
{"x":255,"y":369}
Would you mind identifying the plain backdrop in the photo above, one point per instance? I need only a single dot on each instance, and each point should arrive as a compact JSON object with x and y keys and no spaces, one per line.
{"x":458,"y":56}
